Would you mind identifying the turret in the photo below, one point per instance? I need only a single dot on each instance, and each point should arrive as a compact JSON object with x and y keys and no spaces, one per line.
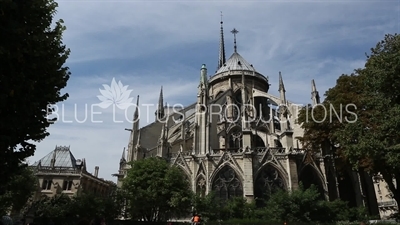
{"x":282,"y":91}
{"x":134,"y":132}
{"x":123,"y":159}
{"x":283,"y":108}
{"x":203,"y":78}
{"x":162,"y":148}
{"x":202,"y":120}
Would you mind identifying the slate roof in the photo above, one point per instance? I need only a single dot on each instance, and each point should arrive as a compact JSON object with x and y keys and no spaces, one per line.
{"x":150,"y":134}
{"x":236,"y":62}
{"x":63,"y":155}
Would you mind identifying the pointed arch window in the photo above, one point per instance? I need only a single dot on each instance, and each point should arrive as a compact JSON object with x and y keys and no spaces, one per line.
{"x":235,"y":139}
{"x":263,"y":110}
{"x":308,"y":176}
{"x":238,"y":98}
{"x":201,"y":186}
{"x":227,"y":184}
{"x":257,"y":141}
{"x":267,"y":183}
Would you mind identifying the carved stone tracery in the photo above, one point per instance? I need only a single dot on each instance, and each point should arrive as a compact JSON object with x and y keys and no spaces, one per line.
{"x":235,"y":139}
{"x":227,"y":184}
{"x":268,"y":182}
{"x":201,"y":186}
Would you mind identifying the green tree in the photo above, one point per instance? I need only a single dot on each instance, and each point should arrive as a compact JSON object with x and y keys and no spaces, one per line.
{"x":296,"y":206}
{"x":57,"y":209}
{"x":375,"y":136}
{"x":157,"y":191}
{"x":303,"y":205}
{"x":90,"y":205}
{"x":369,"y":139}
{"x":210,"y":207}
{"x":322,"y":122}
{"x":20,"y":188}
{"x":32,"y":75}
{"x":340,"y":105}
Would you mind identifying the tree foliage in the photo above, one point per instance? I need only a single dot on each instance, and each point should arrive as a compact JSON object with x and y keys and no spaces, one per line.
{"x":300,"y":206}
{"x":57,"y":209}
{"x":19,"y":190}
{"x":370,"y":139}
{"x":32,"y":75}
{"x":89,"y":205}
{"x":62,"y":209}
{"x":157,"y":191}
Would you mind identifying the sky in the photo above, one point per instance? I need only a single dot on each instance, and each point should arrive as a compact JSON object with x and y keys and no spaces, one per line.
{"x":143,"y":45}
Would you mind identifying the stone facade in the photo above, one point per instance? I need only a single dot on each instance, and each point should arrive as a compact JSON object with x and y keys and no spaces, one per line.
{"x":239,"y":140}
{"x":60,"y":173}
{"x":387,"y":205}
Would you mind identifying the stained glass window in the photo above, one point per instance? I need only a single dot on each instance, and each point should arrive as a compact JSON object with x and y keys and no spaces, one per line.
{"x":267,"y":183}
{"x":227,"y":184}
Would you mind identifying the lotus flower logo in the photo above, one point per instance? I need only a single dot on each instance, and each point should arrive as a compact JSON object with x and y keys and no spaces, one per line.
{"x":116,"y":94}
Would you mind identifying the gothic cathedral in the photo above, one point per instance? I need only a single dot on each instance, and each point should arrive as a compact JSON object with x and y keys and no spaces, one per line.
{"x":239,"y":140}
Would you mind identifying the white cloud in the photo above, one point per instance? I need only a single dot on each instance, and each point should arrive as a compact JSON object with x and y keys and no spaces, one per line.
{"x":98,"y":134}
{"x":305,"y":40}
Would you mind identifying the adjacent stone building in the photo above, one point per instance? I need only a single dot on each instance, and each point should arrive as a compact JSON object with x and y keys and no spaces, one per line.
{"x":59,"y":172}
{"x":237,"y":139}
{"x":387,"y":205}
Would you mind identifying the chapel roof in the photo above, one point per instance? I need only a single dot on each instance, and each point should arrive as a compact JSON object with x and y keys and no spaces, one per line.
{"x":236,"y":62}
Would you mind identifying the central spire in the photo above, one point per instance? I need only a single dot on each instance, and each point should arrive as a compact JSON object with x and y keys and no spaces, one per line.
{"x":234,"y":32}
{"x":221,"y":60}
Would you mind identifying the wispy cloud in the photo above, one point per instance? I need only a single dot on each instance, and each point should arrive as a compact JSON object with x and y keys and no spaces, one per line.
{"x":149,"y":44}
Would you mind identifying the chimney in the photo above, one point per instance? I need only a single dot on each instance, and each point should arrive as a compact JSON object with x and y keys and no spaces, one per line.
{"x":96,"y":171}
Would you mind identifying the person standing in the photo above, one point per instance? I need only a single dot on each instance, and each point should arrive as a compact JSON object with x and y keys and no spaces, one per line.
{"x":196,"y":219}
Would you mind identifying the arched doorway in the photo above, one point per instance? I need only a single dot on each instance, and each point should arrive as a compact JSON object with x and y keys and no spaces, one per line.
{"x":227,"y":184}
{"x":309,"y":176}
{"x":268,"y":182}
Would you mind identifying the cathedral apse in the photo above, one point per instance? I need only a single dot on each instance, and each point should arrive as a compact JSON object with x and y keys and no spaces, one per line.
{"x":245,"y":147}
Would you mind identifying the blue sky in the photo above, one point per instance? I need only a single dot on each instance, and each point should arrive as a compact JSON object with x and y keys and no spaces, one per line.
{"x":146,"y":44}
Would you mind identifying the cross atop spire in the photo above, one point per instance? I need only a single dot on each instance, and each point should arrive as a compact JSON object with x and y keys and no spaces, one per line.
{"x":234,"y":32}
